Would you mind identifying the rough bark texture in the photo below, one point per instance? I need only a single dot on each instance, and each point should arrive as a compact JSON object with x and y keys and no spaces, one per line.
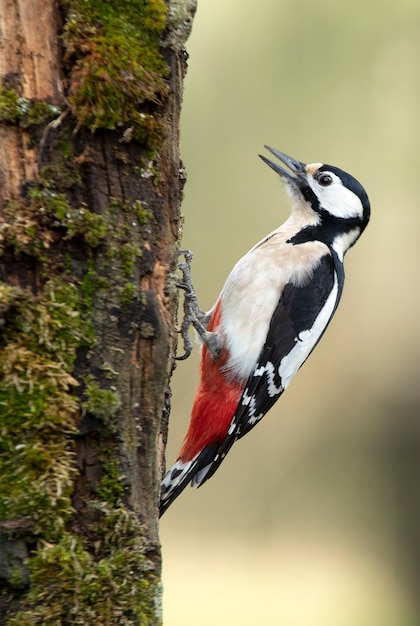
{"x":90,"y":192}
{"x":29,"y":59}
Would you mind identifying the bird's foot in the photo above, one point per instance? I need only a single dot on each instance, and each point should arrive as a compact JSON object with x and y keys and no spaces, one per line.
{"x":193,"y":315}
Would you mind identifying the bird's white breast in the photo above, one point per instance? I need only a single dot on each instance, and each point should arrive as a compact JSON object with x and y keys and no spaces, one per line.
{"x":253,"y":290}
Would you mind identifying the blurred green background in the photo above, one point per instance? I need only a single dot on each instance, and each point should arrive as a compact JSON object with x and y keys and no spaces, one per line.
{"x":314,"y":517}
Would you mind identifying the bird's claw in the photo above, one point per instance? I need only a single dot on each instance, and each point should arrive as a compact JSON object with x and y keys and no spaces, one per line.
{"x":190,"y":304}
{"x":193,"y":315}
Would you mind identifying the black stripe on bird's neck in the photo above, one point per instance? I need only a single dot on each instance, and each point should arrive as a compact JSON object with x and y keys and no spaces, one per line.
{"x":327,"y":230}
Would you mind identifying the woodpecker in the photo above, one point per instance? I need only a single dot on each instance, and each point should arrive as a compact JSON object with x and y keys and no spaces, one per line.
{"x":272,"y":311}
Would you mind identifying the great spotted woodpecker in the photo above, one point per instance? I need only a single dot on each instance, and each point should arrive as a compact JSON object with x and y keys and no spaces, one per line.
{"x":272,"y":311}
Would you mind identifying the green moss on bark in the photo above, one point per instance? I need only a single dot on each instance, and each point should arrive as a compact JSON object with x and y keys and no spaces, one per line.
{"x":116,"y":69}
{"x":100,"y":402}
{"x":28,"y":113}
{"x":102,"y":575}
{"x":105,"y":577}
{"x":39,"y":415}
{"x":33,"y":224}
{"x":104,"y":567}
{"x":70,"y":585}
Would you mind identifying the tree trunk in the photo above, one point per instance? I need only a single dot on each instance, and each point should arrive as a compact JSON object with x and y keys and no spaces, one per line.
{"x":90,"y":191}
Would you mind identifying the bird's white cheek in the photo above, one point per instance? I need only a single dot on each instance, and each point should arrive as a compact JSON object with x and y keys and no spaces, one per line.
{"x":341,"y":202}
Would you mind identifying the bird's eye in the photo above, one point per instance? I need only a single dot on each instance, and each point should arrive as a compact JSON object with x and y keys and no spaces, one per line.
{"x":325,"y":180}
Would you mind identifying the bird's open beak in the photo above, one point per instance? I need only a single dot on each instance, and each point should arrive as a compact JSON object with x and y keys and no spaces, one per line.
{"x":296,"y":167}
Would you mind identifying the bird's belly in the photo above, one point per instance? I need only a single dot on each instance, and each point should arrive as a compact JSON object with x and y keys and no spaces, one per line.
{"x":245,"y":332}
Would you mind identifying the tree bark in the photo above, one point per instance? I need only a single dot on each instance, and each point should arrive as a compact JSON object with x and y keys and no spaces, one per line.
{"x":90,"y":190}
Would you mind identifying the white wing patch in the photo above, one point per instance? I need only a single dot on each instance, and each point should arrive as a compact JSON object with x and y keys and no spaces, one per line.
{"x":307,"y":339}
{"x":249,"y":401}
{"x":268,"y":369}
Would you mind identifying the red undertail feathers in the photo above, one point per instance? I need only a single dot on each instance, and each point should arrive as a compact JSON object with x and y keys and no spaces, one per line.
{"x":215,"y":402}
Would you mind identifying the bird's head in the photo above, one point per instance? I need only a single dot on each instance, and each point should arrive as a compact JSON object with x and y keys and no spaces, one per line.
{"x":331,"y":193}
